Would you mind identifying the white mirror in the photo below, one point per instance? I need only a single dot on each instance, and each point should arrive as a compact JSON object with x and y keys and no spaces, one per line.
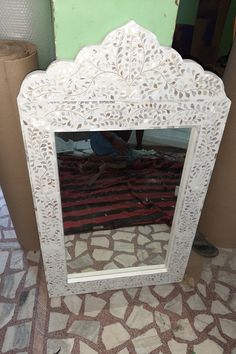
{"x":128,"y":83}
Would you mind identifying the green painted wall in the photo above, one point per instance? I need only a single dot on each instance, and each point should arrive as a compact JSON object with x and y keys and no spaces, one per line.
{"x":83,"y":22}
{"x":187,"y":12}
{"x":227,"y":36}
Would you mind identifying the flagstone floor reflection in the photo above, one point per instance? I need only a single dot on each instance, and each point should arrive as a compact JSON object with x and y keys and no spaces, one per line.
{"x":120,"y":248}
{"x":166,"y":319}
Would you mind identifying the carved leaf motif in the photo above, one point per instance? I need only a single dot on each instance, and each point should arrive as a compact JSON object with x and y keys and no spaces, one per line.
{"x":129,"y":81}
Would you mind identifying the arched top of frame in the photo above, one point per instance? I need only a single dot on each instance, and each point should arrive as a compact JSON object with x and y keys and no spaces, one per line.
{"x":129,"y":65}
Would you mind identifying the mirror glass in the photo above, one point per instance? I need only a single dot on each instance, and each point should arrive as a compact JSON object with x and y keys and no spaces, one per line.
{"x":118,"y":195}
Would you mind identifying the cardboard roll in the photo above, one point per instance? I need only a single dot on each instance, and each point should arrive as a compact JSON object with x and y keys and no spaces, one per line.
{"x":17,"y":59}
{"x":13,"y":50}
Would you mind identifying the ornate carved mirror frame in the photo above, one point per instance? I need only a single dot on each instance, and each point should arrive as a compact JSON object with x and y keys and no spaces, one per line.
{"x":127,"y":82}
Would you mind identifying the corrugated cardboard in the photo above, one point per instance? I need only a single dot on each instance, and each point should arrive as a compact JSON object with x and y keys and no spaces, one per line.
{"x":194,"y":269}
{"x":17,"y":59}
{"x":218,"y":220}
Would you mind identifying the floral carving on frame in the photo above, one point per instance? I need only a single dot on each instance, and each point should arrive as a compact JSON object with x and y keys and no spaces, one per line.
{"x":129,"y":81}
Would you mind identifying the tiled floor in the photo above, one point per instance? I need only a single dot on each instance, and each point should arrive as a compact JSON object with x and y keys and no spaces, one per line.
{"x":120,"y":248}
{"x":163,"y":319}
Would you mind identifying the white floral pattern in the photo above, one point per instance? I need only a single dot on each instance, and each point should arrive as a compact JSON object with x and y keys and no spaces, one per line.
{"x":127,"y":82}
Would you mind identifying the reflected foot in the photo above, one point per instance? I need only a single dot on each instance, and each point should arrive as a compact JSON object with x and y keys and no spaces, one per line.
{"x":105,"y":166}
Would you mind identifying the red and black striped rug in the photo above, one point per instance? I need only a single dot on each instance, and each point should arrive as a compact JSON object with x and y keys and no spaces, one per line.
{"x":142,"y":193}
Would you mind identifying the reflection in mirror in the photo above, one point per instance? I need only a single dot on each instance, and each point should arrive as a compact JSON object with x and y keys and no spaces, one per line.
{"x":118,"y":195}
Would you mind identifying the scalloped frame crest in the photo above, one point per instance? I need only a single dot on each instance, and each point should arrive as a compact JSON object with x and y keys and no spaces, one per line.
{"x":128,"y":81}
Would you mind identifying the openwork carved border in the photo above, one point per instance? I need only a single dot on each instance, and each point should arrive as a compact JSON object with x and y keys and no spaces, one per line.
{"x":127,"y":82}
